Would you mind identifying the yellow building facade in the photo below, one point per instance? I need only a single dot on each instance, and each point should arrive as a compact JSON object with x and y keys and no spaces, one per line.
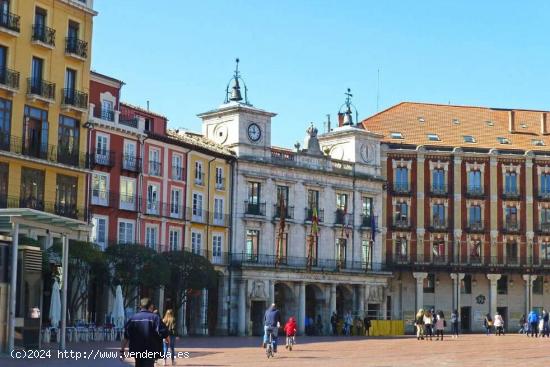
{"x":45,"y":54}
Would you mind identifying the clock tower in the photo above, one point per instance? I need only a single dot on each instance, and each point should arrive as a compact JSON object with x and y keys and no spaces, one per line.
{"x":237,"y":124}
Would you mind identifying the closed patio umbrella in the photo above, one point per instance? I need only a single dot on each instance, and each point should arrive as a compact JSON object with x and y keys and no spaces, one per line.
{"x":118,"y":311}
{"x":55,"y":305}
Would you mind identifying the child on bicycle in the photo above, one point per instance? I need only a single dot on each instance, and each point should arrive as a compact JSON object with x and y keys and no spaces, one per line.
{"x":290,"y":331}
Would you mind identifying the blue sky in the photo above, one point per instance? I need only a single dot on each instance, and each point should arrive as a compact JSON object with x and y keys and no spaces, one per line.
{"x":298,"y":57}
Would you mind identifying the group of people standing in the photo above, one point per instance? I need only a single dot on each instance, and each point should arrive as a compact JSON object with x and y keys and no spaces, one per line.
{"x":350,"y":325}
{"x":429,"y":322}
{"x":497,"y":324}
{"x":535,"y":324}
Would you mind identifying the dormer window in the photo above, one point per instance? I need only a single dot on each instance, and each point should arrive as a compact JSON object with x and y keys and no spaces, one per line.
{"x":537,"y":142}
{"x":469,"y":139}
{"x":456,"y":121}
{"x":396,"y":135}
{"x":503,"y":140}
{"x":148,"y":124}
{"x":421,"y":119}
{"x":523,"y":125}
{"x":490,"y":123}
{"x":433,"y":137}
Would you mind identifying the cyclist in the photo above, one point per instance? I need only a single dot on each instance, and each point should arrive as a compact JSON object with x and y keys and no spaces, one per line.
{"x":272,"y":323}
{"x":290,"y":330}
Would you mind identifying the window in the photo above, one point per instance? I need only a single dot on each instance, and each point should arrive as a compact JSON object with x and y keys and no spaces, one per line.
{"x":70,"y":87}
{"x":511,"y":217}
{"x":281,"y":247}
{"x":196,"y":243}
{"x":538,"y":284}
{"x":175,"y":203}
{"x":177,"y":169}
{"x":148,"y":124}
{"x":490,"y":123}
{"x":153,"y":199}
{"x":154,"y":162}
{"x":402,"y":179}
{"x":3,"y":57}
{"x":469,"y":139}
{"x":252,"y":244}
{"x":341,"y":244}
{"x":5,"y":124}
{"x":151,"y":233}
{"x":366,"y":254}
{"x":537,"y":142}
{"x":72,"y":35}
{"x":475,"y":251}
{"x":37,"y":75}
{"x":402,"y":248}
{"x":253,"y":203}
{"x":99,"y":231}
{"x":217,"y":245}
{"x":367,"y":219}
{"x":218,"y":211}
{"x":4,"y":175}
{"x":512,"y":252}
{"x":402,"y":213}
{"x":438,"y":250}
{"x":502,"y":285}
{"x":475,"y":217}
{"x":35,"y":133}
{"x":466,"y":284}
{"x":545,"y":184}
{"x":102,"y":149}
{"x":198,"y":173}
{"x":545,"y":217}
{"x":438,"y":181}
{"x":127,"y":193}
{"x":282,"y":194}
{"x":100,"y":192}
{"x":197,"y":205}
{"x":545,"y":252}
{"x":174,"y":239}
{"x":68,"y":140}
{"x":107,"y":110}
{"x":510,"y":183}
{"x":342,"y":202}
{"x":219,"y":178}
{"x":32,"y":189}
{"x":125,"y":232}
{"x":396,"y":135}
{"x":65,"y":203}
{"x":438,"y":212}
{"x":456,"y":121}
{"x":433,"y":137}
{"x":474,"y":182}
{"x":503,"y":140}
{"x":429,"y":283}
{"x":130,"y":158}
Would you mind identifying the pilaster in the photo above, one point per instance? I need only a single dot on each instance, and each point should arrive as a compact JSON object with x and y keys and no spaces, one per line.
{"x":420,"y":276}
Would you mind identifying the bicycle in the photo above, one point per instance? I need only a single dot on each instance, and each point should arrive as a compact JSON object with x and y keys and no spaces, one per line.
{"x":269,"y":345}
{"x":290,"y":342}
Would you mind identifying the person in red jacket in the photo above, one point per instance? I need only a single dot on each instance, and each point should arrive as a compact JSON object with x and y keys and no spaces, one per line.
{"x":290,"y":331}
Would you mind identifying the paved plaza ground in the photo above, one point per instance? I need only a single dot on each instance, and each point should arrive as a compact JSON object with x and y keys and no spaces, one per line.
{"x":468,"y":350}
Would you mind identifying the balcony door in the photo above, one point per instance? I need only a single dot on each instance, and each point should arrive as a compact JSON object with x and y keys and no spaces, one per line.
{"x":341,"y":252}
{"x":66,"y":190}
{"x":152,"y":199}
{"x":3,"y":64}
{"x":102,"y":146}
{"x":70,"y":86}
{"x":5,"y":124}
{"x":36,"y":75}
{"x":4,"y":174}
{"x":35,"y":133}
{"x":32,"y":189}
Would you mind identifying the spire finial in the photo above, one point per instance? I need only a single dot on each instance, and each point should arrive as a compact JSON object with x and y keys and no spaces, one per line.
{"x":233,"y":90}
{"x":348,"y":114}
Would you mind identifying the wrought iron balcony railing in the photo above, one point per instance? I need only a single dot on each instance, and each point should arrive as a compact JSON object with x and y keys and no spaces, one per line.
{"x":288,"y":211}
{"x":104,"y":114}
{"x":309,"y":215}
{"x":10,"y":21}
{"x":511,"y":226}
{"x":341,"y":217}
{"x":544,"y":227}
{"x":128,"y":119}
{"x":254,"y":208}
{"x":368,"y":220}
{"x":155,"y":168}
{"x":199,"y":178}
{"x":41,"y":88}
{"x":131,"y":163}
{"x":439,"y":190}
{"x":104,"y":158}
{"x":9,"y":78}
{"x":75,"y":98}
{"x":43,"y":34}
{"x":475,"y":226}
{"x":401,"y":188}
{"x":219,"y":219}
{"x":220,"y":183}
{"x":511,"y":195}
{"x":438,"y":224}
{"x":177,"y":173}
{"x":401,"y":224}
{"x":475,"y":192}
{"x":76,"y":46}
{"x":63,"y":209}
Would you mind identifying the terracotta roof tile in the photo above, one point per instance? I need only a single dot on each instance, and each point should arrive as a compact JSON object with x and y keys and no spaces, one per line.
{"x":199,"y":140}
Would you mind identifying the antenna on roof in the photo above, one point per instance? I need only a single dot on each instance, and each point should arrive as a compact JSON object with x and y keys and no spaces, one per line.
{"x":378,"y":92}
{"x":147,"y":105}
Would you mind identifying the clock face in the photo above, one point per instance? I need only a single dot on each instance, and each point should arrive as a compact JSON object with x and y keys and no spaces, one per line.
{"x":366,"y":153}
{"x":254,"y":132}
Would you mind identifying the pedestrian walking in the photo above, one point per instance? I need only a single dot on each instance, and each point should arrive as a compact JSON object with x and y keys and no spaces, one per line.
{"x":143,"y":331}
{"x":419,"y":324}
{"x":290,"y":331}
{"x":454,"y":324}
{"x":533,"y":320}
{"x":428,"y":325}
{"x":499,"y":324}
{"x":440,"y":325}
{"x":545,"y":326}
{"x":367,"y":324}
{"x":348,"y":322}
{"x":522,"y":325}
{"x":334,"y":323}
{"x":169,"y":346}
{"x":319,"y":325}
{"x":488,"y":324}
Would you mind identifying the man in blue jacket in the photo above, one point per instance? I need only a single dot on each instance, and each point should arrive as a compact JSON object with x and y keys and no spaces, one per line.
{"x":272,"y":321}
{"x":533,"y":320}
{"x":143,"y":331}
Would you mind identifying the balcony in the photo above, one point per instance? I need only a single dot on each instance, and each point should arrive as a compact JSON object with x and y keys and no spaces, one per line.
{"x":131,"y":164}
{"x":199,"y":178}
{"x":544,"y":227}
{"x":288,"y":211}
{"x":220,"y":183}
{"x":73,"y":99}
{"x":401,"y":189}
{"x":439,"y":191}
{"x":343,"y":218}
{"x":464,"y":263}
{"x":438,"y":225}
{"x":177,"y":173}
{"x":198,"y":215}
{"x":475,"y":227}
{"x":77,"y":48}
{"x":309,"y":215}
{"x":475,"y":192}
{"x":43,"y":36}
{"x":43,"y":90}
{"x":105,"y":158}
{"x":219,"y":219}
{"x":152,"y":207}
{"x":511,"y":226}
{"x":401,"y":224}
{"x":176,"y":211}
{"x":127,"y":202}
{"x":368,"y":221}
{"x":104,"y":114}
{"x":257,"y":209}
{"x":9,"y":79}
{"x":9,"y":23}
{"x":129,"y":119}
{"x":511,"y":195}
{"x":155,"y":168}
{"x":439,"y":259}
{"x":101,"y":197}
{"x":63,"y":209}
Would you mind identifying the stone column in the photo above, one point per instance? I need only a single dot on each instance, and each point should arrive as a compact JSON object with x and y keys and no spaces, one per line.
{"x":457,"y":189}
{"x":420,"y":289}
{"x":272,"y":292}
{"x":360,"y":289}
{"x":529,"y":279}
{"x":301,"y":308}
{"x":332,"y":304}
{"x":457,"y":278}
{"x":242,"y":308}
{"x":493,"y":278}
{"x":161,"y":300}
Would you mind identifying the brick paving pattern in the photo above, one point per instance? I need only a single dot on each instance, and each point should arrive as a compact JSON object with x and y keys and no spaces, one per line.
{"x":468,"y":350}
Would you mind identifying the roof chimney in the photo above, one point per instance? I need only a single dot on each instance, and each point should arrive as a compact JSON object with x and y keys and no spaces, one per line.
{"x":340,"y":119}
{"x":543,"y":128}
{"x":511,"y":121}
